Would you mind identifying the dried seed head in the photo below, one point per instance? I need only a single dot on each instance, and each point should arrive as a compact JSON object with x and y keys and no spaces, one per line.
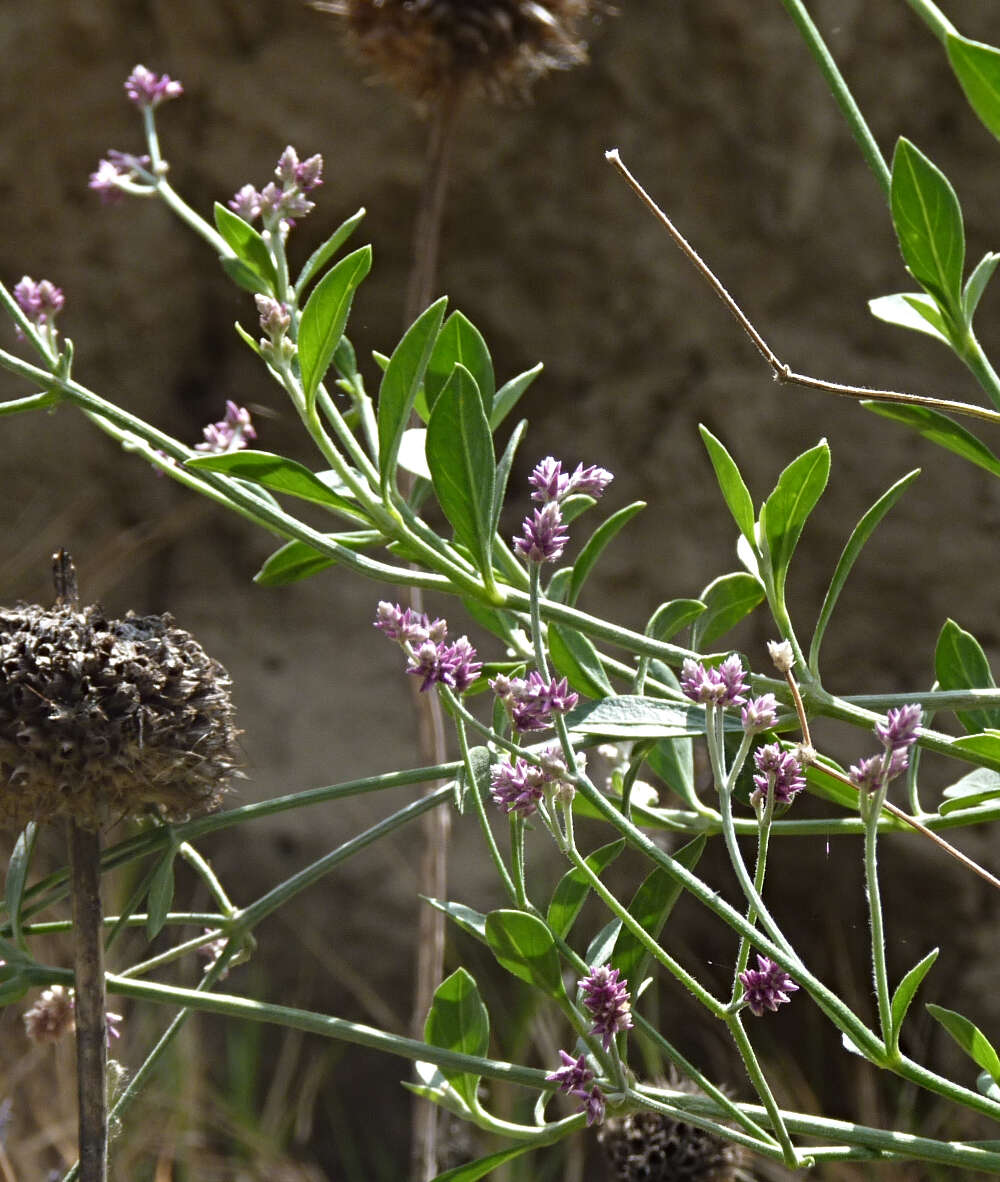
{"x":105,"y":718}
{"x":431,"y":48}
{"x":650,"y":1147}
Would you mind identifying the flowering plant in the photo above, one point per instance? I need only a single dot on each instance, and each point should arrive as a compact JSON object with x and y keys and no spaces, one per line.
{"x":553,"y":669}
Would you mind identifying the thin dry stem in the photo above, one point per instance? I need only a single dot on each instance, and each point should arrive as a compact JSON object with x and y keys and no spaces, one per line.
{"x":782,"y":372}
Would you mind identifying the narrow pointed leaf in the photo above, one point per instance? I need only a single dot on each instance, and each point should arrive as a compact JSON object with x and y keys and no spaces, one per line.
{"x":971,"y":790}
{"x":161,"y":894}
{"x":524,"y":946}
{"x":672,"y":617}
{"x":727,"y":599}
{"x":244,"y":276}
{"x":280,"y":474}
{"x":601,"y":948}
{"x":913,"y":310}
{"x":298,"y":560}
{"x":469,"y":920}
{"x":734,"y":490}
{"x":849,"y":555}
{"x":325,"y":316}
{"x":928,"y":222}
{"x":960,"y":663}
{"x":595,"y":545}
{"x":969,"y":1037}
{"x":403,"y":377}
{"x":573,"y":888}
{"x":975,"y":285}
{"x":319,"y":257}
{"x":650,"y":907}
{"x":503,"y":471}
{"x":982,"y":749}
{"x":785,"y":511}
{"x":631,"y":716}
{"x":17,"y":873}
{"x":939,"y":429}
{"x":463,"y":469}
{"x":247,"y":245}
{"x":460,"y":343}
{"x":977,"y":68}
{"x":907,"y":988}
{"x":673,"y":761}
{"x":474,"y":1170}
{"x":575,"y":658}
{"x":508,"y":395}
{"x":458,"y":1021}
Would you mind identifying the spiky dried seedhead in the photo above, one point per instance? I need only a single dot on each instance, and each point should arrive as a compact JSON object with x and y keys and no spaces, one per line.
{"x":433,"y":48}
{"x":102,"y":718}
{"x":651,"y":1147}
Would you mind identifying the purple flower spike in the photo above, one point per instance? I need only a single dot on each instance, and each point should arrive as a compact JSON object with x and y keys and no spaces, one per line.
{"x":548,"y":480}
{"x":780,"y":772}
{"x":232,"y":433}
{"x":245,"y":203}
{"x":543,"y":535}
{"x":576,"y":1079}
{"x":516,"y":787}
{"x":901,"y":728}
{"x":593,"y":1106}
{"x":533,"y":701}
{"x":723,"y":685}
{"x":41,"y":302}
{"x":607,"y":998}
{"x":766,"y":987}
{"x":592,"y":481}
{"x":759,"y":714}
{"x":146,"y":89}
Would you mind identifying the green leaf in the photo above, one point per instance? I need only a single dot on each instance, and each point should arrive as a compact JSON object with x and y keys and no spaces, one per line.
{"x":508,"y":395}
{"x":960,"y":663}
{"x":458,"y":1021}
{"x":913,"y":310}
{"x":470,"y":921}
{"x":575,"y":658}
{"x":573,"y":888}
{"x":460,"y":343}
{"x":243,"y":276}
{"x":939,"y":429}
{"x":161,"y":893}
{"x":977,"y":68}
{"x":503,"y":471}
{"x":983,"y":749}
{"x":318,"y":259}
{"x":325,"y":316}
{"x":650,"y":907}
{"x":975,"y":285}
{"x":17,"y":873}
{"x":673,"y":761}
{"x":974,"y":788}
{"x":437,"y":1089}
{"x":403,"y":377}
{"x":595,"y":545}
{"x":731,"y":483}
{"x":630,"y":716}
{"x":524,"y":946}
{"x":298,"y":560}
{"x":247,"y":245}
{"x":906,"y":990}
{"x":928,"y":222}
{"x":280,"y":474}
{"x":463,"y":470}
{"x":413,"y":452}
{"x":600,"y":949}
{"x":673,"y":616}
{"x":823,"y":783}
{"x":478,"y":764}
{"x":474,"y":1170}
{"x":849,"y":555}
{"x":727,"y":599}
{"x":785,"y":511}
{"x":969,"y":1037}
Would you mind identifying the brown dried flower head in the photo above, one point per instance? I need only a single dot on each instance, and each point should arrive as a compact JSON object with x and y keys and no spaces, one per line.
{"x":102,"y":718}
{"x":651,"y":1147}
{"x":431,"y":48}
{"x":51,"y":1016}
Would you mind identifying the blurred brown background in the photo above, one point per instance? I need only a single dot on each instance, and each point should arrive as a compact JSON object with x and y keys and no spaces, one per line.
{"x":718,"y":108}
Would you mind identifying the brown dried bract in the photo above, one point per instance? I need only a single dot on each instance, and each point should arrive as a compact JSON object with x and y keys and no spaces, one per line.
{"x":102,"y":718}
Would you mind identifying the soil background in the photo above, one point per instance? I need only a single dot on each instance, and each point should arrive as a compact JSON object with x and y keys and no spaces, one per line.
{"x":720,"y":110}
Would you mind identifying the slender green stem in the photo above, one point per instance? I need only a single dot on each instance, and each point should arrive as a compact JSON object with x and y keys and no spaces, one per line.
{"x":758,"y":1143}
{"x":871,"y":806}
{"x":979,"y":365}
{"x":473,"y":791}
{"x":734,"y":1024}
{"x":841,"y":92}
{"x":517,"y":859}
{"x":208,"y":876}
{"x":933,"y":18}
{"x":764,"y":833}
{"x":174,"y":953}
